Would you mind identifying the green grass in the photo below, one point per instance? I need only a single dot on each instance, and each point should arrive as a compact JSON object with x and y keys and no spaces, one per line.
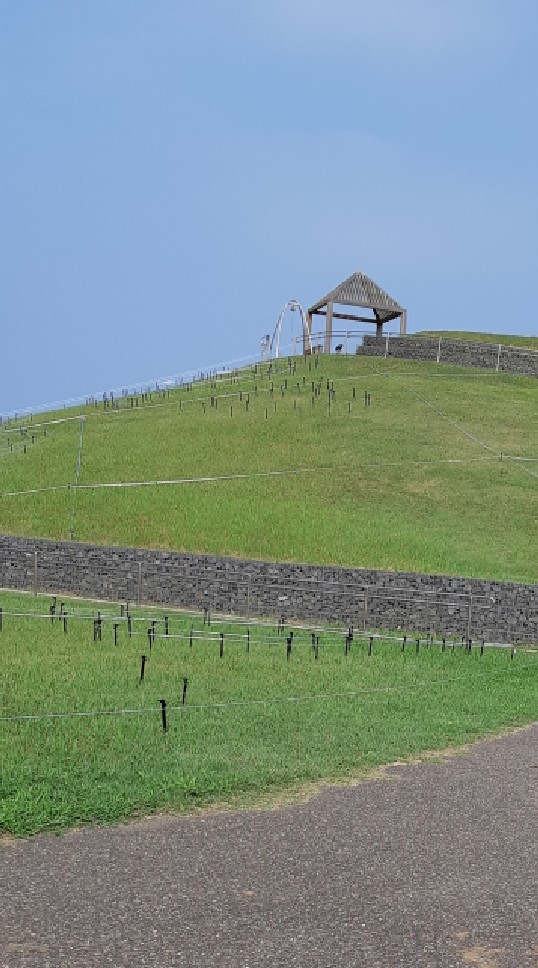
{"x":59,"y":773}
{"x":525,"y":342}
{"x":398,"y":485}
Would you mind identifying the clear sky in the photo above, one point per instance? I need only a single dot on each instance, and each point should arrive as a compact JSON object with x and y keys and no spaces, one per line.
{"x":172,"y":171}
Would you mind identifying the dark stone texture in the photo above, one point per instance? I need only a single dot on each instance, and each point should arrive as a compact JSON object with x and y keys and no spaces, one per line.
{"x":496,"y":356}
{"x":475,"y":608}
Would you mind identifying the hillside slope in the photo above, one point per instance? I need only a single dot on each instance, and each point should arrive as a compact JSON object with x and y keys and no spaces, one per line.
{"x":415,"y":481}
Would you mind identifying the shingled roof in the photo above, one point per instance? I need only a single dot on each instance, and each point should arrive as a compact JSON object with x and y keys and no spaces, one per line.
{"x":359,"y":290}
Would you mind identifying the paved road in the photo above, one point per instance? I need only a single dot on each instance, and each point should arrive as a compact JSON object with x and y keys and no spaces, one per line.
{"x":437,"y":865}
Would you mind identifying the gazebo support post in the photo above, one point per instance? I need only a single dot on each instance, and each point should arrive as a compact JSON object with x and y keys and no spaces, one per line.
{"x":329,"y":327}
{"x":307,"y":341}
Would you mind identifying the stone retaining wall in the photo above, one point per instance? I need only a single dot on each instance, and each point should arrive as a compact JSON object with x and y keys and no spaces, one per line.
{"x":496,"y":356}
{"x":476,"y":608}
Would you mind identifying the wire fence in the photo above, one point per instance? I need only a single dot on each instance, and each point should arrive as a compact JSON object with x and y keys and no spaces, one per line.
{"x":258,"y":633}
{"x":499,"y":356}
{"x":255,"y":475}
{"x":278,"y":638}
{"x":216,"y":372}
{"x":263,"y":701}
{"x":270,"y":634}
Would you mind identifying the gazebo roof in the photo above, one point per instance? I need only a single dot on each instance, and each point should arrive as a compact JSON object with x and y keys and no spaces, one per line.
{"x":360,"y":290}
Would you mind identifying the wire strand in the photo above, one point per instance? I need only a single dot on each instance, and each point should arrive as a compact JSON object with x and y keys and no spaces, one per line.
{"x":266,"y":701}
{"x":219,"y":478}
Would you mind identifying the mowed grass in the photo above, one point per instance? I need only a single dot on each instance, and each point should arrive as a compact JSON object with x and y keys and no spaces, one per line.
{"x":238,"y":739}
{"x":523,"y":342}
{"x":423,"y":479}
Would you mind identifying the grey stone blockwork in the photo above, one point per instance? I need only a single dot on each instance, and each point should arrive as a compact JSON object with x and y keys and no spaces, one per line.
{"x":492,"y":356}
{"x":494,"y":610}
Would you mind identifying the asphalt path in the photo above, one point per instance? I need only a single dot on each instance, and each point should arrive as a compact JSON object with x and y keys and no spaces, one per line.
{"x":436,"y":864}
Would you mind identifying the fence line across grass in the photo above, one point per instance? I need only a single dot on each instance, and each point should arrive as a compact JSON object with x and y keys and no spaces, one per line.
{"x":193,"y":633}
{"x":267,"y":701}
{"x":245,"y":376}
{"x":107,"y":617}
{"x":480,"y":443}
{"x":217,"y":373}
{"x":175,"y":381}
{"x":363,"y":638}
{"x":253,"y":475}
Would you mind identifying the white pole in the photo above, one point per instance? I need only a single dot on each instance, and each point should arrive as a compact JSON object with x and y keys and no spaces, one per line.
{"x":278,"y":331}
{"x":77,"y":476}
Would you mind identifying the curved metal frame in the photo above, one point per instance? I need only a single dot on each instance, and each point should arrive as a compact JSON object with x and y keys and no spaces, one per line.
{"x":292,"y":305}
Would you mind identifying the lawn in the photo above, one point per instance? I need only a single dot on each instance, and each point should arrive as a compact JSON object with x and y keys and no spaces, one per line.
{"x":423,"y":479}
{"x":524,"y":342}
{"x":256,"y":722}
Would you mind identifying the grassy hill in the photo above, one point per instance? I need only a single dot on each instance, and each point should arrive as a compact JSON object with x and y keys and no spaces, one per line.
{"x":415,"y":481}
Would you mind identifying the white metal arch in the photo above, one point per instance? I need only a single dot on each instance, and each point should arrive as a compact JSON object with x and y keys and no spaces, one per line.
{"x":292,"y":305}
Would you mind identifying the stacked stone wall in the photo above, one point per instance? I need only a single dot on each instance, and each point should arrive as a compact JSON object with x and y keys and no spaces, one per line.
{"x":459,"y":352}
{"x":476,"y":608}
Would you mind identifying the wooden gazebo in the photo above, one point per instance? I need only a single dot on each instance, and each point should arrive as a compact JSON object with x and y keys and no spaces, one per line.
{"x":356,"y":291}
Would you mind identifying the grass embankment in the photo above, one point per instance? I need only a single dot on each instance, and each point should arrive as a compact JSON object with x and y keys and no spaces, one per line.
{"x":523,"y":342}
{"x":397,"y":485}
{"x":58,"y":773}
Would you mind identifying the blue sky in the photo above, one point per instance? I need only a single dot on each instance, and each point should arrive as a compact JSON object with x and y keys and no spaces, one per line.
{"x":173,"y":172}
